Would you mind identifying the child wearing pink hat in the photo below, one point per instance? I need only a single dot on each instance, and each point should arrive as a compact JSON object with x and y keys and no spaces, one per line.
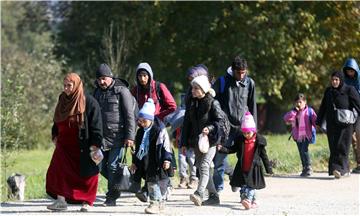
{"x":248,"y":172}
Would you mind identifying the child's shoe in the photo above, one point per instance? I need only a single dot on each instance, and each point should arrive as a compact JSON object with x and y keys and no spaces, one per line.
{"x":246,"y":203}
{"x":153,"y":208}
{"x":254,"y":204}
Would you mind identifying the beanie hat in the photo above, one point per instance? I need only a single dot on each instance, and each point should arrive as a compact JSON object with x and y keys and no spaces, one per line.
{"x":148,"y":110}
{"x":198,"y":70}
{"x":248,"y":123}
{"x":203,"y":82}
{"x":104,"y":71}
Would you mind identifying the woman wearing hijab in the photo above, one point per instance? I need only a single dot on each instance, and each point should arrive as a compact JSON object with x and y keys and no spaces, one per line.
{"x":341,"y":96}
{"x":77,"y":131}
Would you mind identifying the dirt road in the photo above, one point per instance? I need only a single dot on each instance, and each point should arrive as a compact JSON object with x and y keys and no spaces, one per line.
{"x":284,"y":195}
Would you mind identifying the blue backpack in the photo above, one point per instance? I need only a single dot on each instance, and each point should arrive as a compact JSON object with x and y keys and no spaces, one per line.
{"x":313,"y":129}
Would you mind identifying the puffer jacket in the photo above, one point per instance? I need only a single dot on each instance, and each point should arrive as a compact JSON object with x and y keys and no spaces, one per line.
{"x":201,"y":113}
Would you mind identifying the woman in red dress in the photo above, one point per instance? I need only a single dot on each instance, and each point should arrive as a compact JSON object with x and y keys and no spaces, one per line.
{"x":73,"y":175}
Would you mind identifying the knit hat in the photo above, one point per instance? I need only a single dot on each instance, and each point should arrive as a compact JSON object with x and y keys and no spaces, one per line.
{"x":203,"y":82}
{"x":198,"y":70}
{"x":104,"y":71}
{"x":248,"y":123}
{"x":148,"y":110}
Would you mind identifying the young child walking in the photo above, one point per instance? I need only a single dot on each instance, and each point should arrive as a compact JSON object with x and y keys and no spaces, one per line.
{"x":250,"y":151}
{"x":152,"y":157}
{"x":302,"y":119}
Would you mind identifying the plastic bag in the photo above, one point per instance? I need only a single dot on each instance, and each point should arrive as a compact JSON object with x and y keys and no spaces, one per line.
{"x":96,"y":154}
{"x":203,"y":143}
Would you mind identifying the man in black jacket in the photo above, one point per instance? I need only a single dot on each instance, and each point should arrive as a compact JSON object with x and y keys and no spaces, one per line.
{"x":117,"y":109}
{"x":236,"y":93}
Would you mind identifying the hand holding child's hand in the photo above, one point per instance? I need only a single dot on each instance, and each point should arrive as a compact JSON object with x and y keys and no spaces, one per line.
{"x":166,"y":165}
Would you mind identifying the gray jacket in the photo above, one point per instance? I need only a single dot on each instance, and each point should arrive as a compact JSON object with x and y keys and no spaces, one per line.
{"x":236,"y":99}
{"x":117,"y":109}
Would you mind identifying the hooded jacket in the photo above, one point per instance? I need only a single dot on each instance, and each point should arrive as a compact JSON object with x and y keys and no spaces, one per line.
{"x":236,"y":98}
{"x":164,"y":103}
{"x":350,"y":63}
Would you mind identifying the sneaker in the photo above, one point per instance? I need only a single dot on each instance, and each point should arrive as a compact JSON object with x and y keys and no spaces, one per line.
{"x":58,"y":205}
{"x":337,"y":174}
{"x":85,"y":207}
{"x":196,"y":198}
{"x":246,"y":203}
{"x":356,"y":170}
{"x":192,"y":184}
{"x":109,"y":202}
{"x":183,"y":183}
{"x":153,"y":208}
{"x":162,"y":206}
{"x":306,"y":172}
{"x":213,"y":200}
{"x":142,"y":196}
{"x":254,"y":204}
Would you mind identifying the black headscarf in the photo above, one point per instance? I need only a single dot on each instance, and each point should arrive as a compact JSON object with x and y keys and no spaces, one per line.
{"x":340,"y":75}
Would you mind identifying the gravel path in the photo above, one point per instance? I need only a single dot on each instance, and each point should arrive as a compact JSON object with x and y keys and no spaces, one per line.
{"x":284,"y":195}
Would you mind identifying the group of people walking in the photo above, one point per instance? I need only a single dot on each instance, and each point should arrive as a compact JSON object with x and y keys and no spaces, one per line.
{"x":216,"y":119}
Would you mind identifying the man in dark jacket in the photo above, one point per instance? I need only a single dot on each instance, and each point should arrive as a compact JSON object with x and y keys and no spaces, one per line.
{"x":352,"y":78}
{"x":118,"y":116}
{"x":236,"y":93}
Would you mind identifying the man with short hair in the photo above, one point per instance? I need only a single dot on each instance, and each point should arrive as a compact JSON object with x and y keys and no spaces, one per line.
{"x":236,"y":93}
{"x":351,"y":72}
{"x":117,"y":109}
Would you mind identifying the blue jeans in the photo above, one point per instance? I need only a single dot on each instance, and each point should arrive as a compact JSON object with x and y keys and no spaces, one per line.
{"x":303,"y":148}
{"x":108,"y":167}
{"x":158,"y":190}
{"x":247,"y":192}
{"x":220,"y":160}
{"x":187,"y":161}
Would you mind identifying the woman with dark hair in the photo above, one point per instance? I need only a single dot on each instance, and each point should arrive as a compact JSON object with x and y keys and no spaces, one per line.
{"x":339,"y":96}
{"x":72,"y":175}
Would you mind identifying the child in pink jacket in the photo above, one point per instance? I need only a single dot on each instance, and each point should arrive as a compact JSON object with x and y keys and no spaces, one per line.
{"x":302,"y":118}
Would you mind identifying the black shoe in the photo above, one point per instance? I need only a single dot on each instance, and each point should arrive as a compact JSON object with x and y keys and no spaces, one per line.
{"x":213,"y":200}
{"x":356,"y":170}
{"x":306,"y":172}
{"x":142,"y":196}
{"x":109,"y":202}
{"x":135,"y":187}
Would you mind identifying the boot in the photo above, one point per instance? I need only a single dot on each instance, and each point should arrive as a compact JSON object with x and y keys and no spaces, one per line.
{"x":193,"y":184}
{"x":153,"y":208}
{"x":183,"y":183}
{"x":142,"y":195}
{"x":213,"y":200}
{"x":196,"y":198}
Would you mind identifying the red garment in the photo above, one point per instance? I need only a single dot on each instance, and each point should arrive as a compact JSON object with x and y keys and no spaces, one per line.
{"x":249,"y":150}
{"x":168,"y":102}
{"x":63,"y":176}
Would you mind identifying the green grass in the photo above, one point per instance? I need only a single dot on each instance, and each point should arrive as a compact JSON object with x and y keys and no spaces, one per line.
{"x":34,"y":163}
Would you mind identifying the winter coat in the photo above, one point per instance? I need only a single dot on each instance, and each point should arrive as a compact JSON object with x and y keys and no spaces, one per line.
{"x":151,"y":165}
{"x":164,"y":102}
{"x":339,"y":136}
{"x":291,"y":116}
{"x":117,"y":109}
{"x":351,"y":64}
{"x":204,"y":112}
{"x":236,"y":99}
{"x":241,"y":178}
{"x":90,"y":134}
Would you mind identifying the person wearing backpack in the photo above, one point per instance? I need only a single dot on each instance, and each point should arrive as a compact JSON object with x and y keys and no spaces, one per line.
{"x":351,"y":71}
{"x":118,"y":115}
{"x":236,"y":93}
{"x":302,"y":119}
{"x":146,"y":87}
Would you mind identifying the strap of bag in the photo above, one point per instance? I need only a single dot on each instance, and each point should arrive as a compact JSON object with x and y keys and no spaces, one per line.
{"x":123,"y":158}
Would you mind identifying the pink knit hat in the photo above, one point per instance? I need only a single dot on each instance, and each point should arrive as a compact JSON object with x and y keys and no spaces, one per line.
{"x":248,"y":123}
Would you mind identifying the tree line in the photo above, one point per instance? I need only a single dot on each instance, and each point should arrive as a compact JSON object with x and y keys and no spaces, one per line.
{"x":290,"y":47}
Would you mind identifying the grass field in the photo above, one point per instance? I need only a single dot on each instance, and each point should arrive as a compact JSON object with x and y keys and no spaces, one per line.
{"x":34,"y":163}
